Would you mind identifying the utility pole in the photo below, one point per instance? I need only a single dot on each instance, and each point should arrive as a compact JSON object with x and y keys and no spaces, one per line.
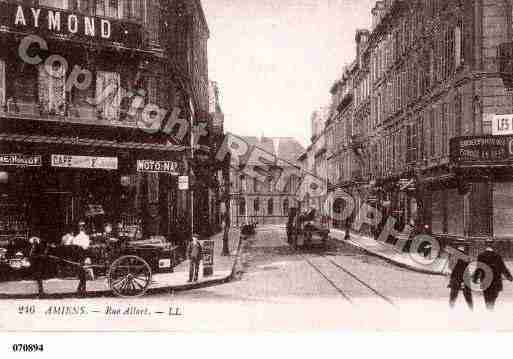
{"x":191,"y":191}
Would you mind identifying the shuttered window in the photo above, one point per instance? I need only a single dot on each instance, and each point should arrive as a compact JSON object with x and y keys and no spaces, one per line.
{"x":107,"y":91}
{"x":52,"y":93}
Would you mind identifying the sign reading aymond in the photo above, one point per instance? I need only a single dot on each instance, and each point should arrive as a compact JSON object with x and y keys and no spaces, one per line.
{"x":502,"y":125}
{"x":482,"y":150}
{"x":16,"y":159}
{"x":90,"y":162}
{"x":70,"y":25}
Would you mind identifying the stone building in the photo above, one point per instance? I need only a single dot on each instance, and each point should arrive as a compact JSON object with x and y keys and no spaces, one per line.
{"x":252,"y":200}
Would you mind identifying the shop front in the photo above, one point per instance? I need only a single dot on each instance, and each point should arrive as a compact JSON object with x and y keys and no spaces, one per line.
{"x":47,"y":187}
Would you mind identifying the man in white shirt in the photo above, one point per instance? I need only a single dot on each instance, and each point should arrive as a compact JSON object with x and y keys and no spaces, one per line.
{"x":81,"y":239}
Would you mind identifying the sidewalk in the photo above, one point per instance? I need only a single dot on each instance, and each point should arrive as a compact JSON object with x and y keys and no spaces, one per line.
{"x":161,"y":282}
{"x":387,"y":252}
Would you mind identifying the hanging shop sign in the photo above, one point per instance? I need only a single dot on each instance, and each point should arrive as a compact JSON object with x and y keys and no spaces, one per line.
{"x":16,"y":159}
{"x":208,"y":257}
{"x":89,"y":162}
{"x":183,"y":182}
{"x":169,"y":167}
{"x":482,"y":150}
{"x":69,"y":25}
{"x":502,"y":125}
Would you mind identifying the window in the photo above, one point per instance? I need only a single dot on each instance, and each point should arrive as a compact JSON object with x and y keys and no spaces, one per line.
{"x":52,"y":94}
{"x":256,"y":187}
{"x":108,"y":8}
{"x":270,"y":206}
{"x":286,"y":206}
{"x":59,"y":4}
{"x":256,"y":205}
{"x":457,"y":115}
{"x":2,"y":84}
{"x":134,"y":9}
{"x":242,"y":207}
{"x":457,"y":46}
{"x":83,"y":6}
{"x":107,"y":89}
{"x":444,"y":126}
{"x":433,"y":132}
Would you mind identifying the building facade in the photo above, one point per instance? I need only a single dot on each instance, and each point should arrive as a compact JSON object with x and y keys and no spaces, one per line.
{"x":87,"y":92}
{"x":255,"y":201}
{"x":428,"y":76}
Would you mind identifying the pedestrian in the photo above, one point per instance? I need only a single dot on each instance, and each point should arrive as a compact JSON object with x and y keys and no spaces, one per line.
{"x":491,"y":260}
{"x":457,"y":282}
{"x":37,"y":261}
{"x":81,"y":244}
{"x":194,"y":253}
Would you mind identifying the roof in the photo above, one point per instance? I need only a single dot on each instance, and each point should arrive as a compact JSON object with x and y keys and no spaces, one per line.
{"x":284,"y":148}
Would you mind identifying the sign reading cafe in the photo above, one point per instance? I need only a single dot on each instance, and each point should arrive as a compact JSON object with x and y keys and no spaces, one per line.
{"x":75,"y":26}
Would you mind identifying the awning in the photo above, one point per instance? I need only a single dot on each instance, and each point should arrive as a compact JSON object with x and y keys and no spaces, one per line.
{"x":58,"y":140}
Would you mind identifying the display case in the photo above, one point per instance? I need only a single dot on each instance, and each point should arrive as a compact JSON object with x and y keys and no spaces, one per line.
{"x":13,"y":221}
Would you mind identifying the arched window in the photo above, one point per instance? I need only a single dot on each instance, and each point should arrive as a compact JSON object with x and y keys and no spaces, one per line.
{"x":286,"y":206}
{"x":270,"y":206}
{"x":242,"y":207}
{"x":256,"y":204}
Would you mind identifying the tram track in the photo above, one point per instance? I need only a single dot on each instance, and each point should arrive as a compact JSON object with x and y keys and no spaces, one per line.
{"x":355,"y":279}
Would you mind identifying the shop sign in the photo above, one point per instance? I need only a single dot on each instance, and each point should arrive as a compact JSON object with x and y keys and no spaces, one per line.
{"x":15,"y":159}
{"x":157,"y":166}
{"x":482,"y":150}
{"x":502,"y":125}
{"x":69,"y":25}
{"x":183,"y":182}
{"x":208,"y":257}
{"x":89,"y":162}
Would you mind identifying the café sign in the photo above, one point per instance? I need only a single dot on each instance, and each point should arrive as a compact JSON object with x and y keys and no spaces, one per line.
{"x":482,"y":150}
{"x":16,"y":159}
{"x":70,"y":25}
{"x":87,"y":162}
{"x":169,"y":167}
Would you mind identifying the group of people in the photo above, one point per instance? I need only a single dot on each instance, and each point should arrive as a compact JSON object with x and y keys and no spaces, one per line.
{"x":487,"y":276}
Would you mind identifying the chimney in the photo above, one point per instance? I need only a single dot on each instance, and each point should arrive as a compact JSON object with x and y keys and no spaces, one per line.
{"x":377,"y":12}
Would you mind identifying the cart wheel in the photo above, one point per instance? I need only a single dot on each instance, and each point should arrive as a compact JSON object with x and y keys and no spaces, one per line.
{"x":129,"y":276}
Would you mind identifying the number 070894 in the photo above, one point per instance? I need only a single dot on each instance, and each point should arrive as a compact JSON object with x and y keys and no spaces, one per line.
{"x":27,"y":348}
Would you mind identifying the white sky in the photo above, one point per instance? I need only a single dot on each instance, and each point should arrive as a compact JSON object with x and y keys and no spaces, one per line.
{"x":275,"y":60}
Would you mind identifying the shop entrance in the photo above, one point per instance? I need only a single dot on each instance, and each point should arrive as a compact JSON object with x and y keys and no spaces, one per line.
{"x":55,"y":213}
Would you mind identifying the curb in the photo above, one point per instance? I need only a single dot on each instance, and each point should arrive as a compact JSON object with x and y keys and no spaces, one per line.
{"x":109,"y":294}
{"x":390,"y":260}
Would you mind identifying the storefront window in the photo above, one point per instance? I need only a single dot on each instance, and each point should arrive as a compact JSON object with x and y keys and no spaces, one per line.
{"x":107,"y":86}
{"x":270,"y":206}
{"x":285,"y":206}
{"x":503,"y":209}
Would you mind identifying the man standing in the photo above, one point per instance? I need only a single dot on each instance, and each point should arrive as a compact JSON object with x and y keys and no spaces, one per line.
{"x":37,"y":260}
{"x":195,"y":254}
{"x":457,"y":282}
{"x":493,"y":261}
{"x":81,"y":241}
